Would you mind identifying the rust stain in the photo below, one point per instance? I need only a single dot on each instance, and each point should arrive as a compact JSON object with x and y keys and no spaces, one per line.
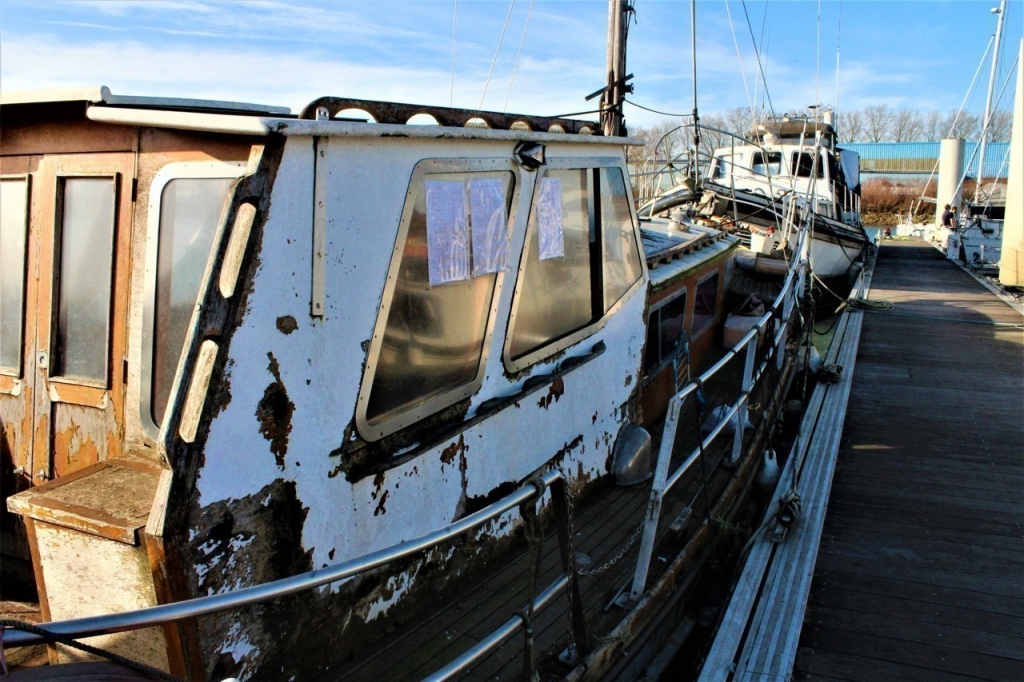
{"x":555,"y":391}
{"x":274,"y":413}
{"x":286,"y":324}
{"x":449,"y":453}
{"x":629,"y":379}
{"x":378,"y":483}
{"x":380,"y":505}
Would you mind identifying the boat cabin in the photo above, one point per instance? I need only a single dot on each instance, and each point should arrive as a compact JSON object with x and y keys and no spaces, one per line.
{"x":240,"y":344}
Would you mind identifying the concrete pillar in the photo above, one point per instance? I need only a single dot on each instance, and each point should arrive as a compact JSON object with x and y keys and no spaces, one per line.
{"x":951,"y":169}
{"x":1011,"y":262}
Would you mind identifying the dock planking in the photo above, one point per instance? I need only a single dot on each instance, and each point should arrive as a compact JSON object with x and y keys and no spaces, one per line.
{"x":918,"y":573}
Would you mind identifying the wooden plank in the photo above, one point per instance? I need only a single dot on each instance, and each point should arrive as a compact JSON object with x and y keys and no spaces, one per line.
{"x":912,"y":587}
{"x":822,"y":664}
{"x":858,"y":517}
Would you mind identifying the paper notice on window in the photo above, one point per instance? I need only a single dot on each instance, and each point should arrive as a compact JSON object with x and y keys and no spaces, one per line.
{"x":447,"y":232}
{"x":490,"y":225}
{"x":549,"y":219}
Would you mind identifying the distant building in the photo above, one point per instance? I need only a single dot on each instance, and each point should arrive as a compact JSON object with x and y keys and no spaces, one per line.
{"x":920,"y":158}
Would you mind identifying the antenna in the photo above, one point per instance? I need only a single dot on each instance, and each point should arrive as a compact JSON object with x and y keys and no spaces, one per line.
{"x":696,"y":120}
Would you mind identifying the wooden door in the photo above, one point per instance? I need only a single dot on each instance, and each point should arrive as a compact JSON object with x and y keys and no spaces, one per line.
{"x":79,"y":255}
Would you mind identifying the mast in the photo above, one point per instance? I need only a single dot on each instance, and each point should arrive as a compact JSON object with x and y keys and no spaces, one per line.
{"x":696,"y":120}
{"x":612,"y":121}
{"x":988,"y":100}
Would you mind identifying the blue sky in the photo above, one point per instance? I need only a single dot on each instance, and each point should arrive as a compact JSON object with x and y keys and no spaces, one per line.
{"x":920,"y":54}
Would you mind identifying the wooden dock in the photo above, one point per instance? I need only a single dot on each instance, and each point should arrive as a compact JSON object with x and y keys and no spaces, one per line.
{"x":919,"y":571}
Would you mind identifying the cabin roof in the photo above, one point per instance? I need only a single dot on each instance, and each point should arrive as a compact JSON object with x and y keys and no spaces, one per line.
{"x":102,"y":95}
{"x":321,"y":117}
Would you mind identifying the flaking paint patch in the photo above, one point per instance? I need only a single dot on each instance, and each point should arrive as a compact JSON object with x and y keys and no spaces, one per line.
{"x":274,"y":413}
{"x":555,"y":391}
{"x":286,"y":324}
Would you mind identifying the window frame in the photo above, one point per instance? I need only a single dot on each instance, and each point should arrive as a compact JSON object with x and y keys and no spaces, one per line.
{"x":181,"y":170}
{"x":664,"y":361}
{"x":593,"y":202}
{"x":94,"y":388}
{"x":16,"y":373}
{"x":812,"y":174}
{"x":697,"y":333}
{"x":403,"y":418}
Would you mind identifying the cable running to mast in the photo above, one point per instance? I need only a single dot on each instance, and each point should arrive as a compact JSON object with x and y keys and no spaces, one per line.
{"x":515,"y":67}
{"x":496,"y":52}
{"x":455,"y":29}
{"x":757,"y":53}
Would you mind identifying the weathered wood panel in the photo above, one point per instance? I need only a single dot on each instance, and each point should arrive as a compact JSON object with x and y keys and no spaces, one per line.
{"x":918,"y":573}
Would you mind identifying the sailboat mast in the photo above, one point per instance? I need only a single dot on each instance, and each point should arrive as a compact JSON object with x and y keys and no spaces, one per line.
{"x":612,"y":121}
{"x":696,"y":120}
{"x":988,"y":100}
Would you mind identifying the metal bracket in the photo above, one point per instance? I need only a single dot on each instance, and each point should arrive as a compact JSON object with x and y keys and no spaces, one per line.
{"x":317,"y":302}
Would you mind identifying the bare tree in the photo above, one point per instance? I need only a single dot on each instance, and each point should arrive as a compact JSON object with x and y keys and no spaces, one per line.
{"x":739,"y":120}
{"x":933,"y":130}
{"x":851,"y":125}
{"x":999,"y":125}
{"x":878,"y":122}
{"x":965,"y":127}
{"x":907,"y":126}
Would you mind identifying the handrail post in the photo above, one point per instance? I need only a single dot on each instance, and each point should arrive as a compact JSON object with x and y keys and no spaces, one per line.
{"x":643,"y":560}
{"x":563,"y":522}
{"x":748,"y":382}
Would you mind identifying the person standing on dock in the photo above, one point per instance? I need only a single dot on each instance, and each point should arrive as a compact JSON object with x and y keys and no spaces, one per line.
{"x":947,"y":218}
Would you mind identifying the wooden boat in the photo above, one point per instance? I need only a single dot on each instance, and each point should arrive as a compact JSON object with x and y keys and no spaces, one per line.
{"x":302,"y":396}
{"x":792,"y":171}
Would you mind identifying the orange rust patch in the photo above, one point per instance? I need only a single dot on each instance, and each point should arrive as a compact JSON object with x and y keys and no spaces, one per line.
{"x":555,"y":391}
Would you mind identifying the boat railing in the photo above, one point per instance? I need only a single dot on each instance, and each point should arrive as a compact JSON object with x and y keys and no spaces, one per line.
{"x":529,"y":493}
{"x":664,"y":481}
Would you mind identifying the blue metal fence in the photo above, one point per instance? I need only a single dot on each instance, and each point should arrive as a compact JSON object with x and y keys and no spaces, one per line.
{"x":923,"y":157}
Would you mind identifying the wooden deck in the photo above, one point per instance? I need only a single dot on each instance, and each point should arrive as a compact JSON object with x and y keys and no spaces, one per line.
{"x":920,"y":571}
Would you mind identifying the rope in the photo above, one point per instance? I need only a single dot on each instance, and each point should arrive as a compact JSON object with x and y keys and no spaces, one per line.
{"x":496,"y":52}
{"x":515,"y":67}
{"x":68,"y":641}
{"x":653,"y":111}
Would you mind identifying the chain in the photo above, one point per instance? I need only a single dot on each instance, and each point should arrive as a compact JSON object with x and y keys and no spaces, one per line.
{"x":622,"y":552}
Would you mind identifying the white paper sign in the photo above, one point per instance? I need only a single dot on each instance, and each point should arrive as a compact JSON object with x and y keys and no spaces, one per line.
{"x":490,"y":225}
{"x":447,"y":232}
{"x":549,"y":219}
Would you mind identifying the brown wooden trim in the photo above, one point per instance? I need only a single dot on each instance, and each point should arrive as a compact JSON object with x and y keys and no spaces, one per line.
{"x":181,"y":637}
{"x":69,"y":391}
{"x":37,"y":569}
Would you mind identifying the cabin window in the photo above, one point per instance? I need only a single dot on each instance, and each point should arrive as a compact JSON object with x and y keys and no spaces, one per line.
{"x":580,"y":257}
{"x":13,"y":228}
{"x":723,"y":166}
{"x":664,"y":334}
{"x":766,"y":163}
{"x":455,"y":243}
{"x":84,"y":277}
{"x":803,"y":165}
{"x":190,"y":210}
{"x":704,"y":303}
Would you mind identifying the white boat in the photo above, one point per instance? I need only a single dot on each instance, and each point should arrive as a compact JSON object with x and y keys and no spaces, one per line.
{"x":283,"y":395}
{"x":791,"y":174}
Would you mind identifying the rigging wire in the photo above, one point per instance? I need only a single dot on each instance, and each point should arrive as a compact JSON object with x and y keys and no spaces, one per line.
{"x":455,"y":28}
{"x":839,"y":34}
{"x":757,"y":53}
{"x":739,"y":58}
{"x":516,"y":65}
{"x":653,"y":111}
{"x":496,"y":52}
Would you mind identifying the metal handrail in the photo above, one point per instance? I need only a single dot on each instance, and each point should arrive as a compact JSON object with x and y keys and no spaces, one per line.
{"x":663,"y":480}
{"x":488,"y":644}
{"x":202,"y":606}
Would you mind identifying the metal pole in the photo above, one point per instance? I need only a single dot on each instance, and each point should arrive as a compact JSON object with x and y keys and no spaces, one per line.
{"x":988,"y":99}
{"x":696,"y":120}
